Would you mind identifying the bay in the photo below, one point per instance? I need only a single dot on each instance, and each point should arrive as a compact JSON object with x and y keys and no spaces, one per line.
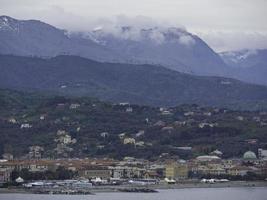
{"x":259,"y":193}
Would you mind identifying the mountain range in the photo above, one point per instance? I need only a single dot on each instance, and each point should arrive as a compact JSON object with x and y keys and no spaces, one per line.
{"x":138,"y":84}
{"x":249,"y":65}
{"x":174,"y":48}
{"x":153,"y":66}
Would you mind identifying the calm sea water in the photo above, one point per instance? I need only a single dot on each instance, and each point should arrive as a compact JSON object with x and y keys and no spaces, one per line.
{"x":180,"y":194}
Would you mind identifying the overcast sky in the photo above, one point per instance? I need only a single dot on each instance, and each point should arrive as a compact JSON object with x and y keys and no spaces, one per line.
{"x":223,"y":24}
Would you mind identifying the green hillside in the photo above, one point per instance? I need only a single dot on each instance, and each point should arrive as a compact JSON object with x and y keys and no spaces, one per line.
{"x":137,"y":84}
{"x":156,"y":132}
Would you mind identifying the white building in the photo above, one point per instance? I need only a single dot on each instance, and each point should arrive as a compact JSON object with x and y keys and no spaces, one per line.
{"x":67,"y":139}
{"x":35,"y":152}
{"x":189,"y":113}
{"x":124,"y":104}
{"x":7,"y":156}
{"x":207,"y":158}
{"x":104,"y":134}
{"x":129,"y":141}
{"x":140,"y":133}
{"x":140,"y":143}
{"x":122,"y":135}
{"x":166,"y":112}
{"x":129,"y":109}
{"x":202,"y":125}
{"x":25,"y":126}
{"x":262,"y":153}
{"x":74,"y":106}
{"x":12,"y":120}
{"x":5,"y":175}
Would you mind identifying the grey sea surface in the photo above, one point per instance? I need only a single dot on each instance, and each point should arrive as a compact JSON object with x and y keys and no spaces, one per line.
{"x":259,"y":193}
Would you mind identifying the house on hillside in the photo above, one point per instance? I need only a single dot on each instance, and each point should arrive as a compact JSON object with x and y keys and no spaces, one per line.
{"x":140,"y":133}
{"x":35,"y":152}
{"x":7,"y":156}
{"x":22,"y":126}
{"x":211,"y":125}
{"x":5,"y":175}
{"x":140,"y":143}
{"x":74,"y":106}
{"x":122,"y":135}
{"x":129,"y":141}
{"x":12,"y":120}
{"x":189,"y":113}
{"x":104,"y":134}
{"x":129,"y":109}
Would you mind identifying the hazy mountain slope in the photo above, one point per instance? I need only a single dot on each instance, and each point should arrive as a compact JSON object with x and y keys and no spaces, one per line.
{"x":170,"y":47}
{"x":174,"y":48}
{"x":248,"y":65}
{"x":35,"y":38}
{"x":140,"y":84}
{"x":245,"y":58}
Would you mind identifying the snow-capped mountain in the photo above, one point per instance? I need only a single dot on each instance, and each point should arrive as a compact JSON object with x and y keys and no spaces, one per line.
{"x":249,"y":65}
{"x":245,"y":58}
{"x":8,"y":24}
{"x":35,"y":38}
{"x":174,"y":48}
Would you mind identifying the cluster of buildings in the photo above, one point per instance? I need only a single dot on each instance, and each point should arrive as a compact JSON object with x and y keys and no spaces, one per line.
{"x":64,"y":141}
{"x":130,"y":168}
{"x":213,"y":166}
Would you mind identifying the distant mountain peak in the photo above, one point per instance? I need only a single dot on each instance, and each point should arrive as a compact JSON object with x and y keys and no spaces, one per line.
{"x":172,"y":47}
{"x":156,"y":34}
{"x":242,"y":54}
{"x":236,"y":57}
{"x":8,"y":23}
{"x":7,"y":18}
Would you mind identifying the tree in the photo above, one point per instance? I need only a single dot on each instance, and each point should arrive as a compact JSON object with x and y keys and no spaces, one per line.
{"x":62,"y":173}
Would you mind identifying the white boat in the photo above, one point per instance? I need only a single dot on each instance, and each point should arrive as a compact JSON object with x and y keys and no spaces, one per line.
{"x":170,"y":181}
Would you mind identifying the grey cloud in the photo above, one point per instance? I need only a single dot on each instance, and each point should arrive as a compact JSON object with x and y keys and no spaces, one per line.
{"x":221,"y":40}
{"x":238,"y":16}
{"x":187,"y":40}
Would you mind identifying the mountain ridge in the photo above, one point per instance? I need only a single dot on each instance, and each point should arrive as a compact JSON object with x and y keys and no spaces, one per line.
{"x":138,"y":84}
{"x":173,"y":47}
{"x":250,"y":65}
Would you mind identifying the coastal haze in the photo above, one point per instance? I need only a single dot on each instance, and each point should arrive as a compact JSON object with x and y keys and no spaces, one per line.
{"x":126,"y":99}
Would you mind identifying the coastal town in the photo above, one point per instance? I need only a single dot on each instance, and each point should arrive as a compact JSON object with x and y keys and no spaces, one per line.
{"x":42,"y":173}
{"x":85,"y":143}
{"x":133,"y":100}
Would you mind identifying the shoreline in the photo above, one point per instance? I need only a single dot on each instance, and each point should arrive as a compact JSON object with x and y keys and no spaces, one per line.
{"x":105,"y":189}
